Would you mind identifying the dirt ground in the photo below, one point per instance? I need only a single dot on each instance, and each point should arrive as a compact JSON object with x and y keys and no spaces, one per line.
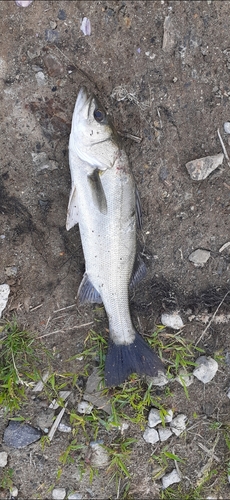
{"x":174,"y":96}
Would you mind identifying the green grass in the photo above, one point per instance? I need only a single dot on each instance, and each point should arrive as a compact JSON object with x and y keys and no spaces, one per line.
{"x":19,"y":364}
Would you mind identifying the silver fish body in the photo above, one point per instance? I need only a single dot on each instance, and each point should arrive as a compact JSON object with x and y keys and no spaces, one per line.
{"x":103,"y":203}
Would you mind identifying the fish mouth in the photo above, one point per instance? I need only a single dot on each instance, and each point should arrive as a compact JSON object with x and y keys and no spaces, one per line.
{"x":83,"y":100}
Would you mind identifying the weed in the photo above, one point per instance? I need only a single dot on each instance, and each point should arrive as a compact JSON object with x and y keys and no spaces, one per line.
{"x":19,"y":362}
{"x":6,"y":481}
{"x":119,"y":453}
{"x":163,"y":460}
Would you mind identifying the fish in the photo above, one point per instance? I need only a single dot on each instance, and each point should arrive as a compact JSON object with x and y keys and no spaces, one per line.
{"x":105,"y":203}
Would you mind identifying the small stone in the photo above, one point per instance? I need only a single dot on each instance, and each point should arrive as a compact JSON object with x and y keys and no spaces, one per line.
{"x":227,"y":127}
{"x":51,"y":35}
{"x":53,"y":25}
{"x":202,"y":168}
{"x":34,"y":54}
{"x":44,"y":419}
{"x":14,"y":492}
{"x":53,"y":65}
{"x":18,"y":434}
{"x":84,"y":407}
{"x":3,"y":68}
{"x":86,"y":26}
{"x":23,"y":3}
{"x":154,"y":417}
{"x":228,"y":393}
{"x":169,"y":416}
{"x":164,"y":433}
{"x":169,"y":36}
{"x":99,"y":456}
{"x":94,"y":392}
{"x":171,"y":478}
{"x":3,"y":459}
{"x":75,"y":496}
{"x":58,"y":493}
{"x":42,"y":162}
{"x":159,"y":381}
{"x":151,"y":435}
{"x":184,"y":378}
{"x":61,"y":15}
{"x":64,"y":428}
{"x":4,"y":294}
{"x":11,"y":271}
{"x":178,"y":424}
{"x":40,"y":77}
{"x":199,"y":257}
{"x":172,"y":320}
{"x":123,"y":427}
{"x":206,"y":369}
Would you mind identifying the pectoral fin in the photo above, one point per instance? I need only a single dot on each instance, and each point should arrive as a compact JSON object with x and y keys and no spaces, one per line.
{"x":97,"y":190}
{"x":138,"y":209}
{"x":72,"y":212}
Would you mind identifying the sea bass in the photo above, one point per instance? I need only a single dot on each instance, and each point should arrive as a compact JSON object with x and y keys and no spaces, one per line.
{"x":103,"y":202}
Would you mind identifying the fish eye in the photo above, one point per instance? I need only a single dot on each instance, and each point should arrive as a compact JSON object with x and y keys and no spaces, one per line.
{"x":99,"y":115}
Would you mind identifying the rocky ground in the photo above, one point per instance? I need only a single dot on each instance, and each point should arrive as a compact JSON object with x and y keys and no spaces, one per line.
{"x":161,"y":69}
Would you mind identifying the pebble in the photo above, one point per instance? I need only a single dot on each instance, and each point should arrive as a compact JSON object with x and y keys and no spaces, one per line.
{"x":169,"y":416}
{"x":4,"y":294}
{"x":84,"y":407}
{"x":199,"y":257}
{"x":64,"y":428}
{"x":151,"y":435}
{"x":3,"y":458}
{"x":206,"y":369}
{"x":178,"y":424}
{"x":42,"y":162}
{"x":184,"y":378}
{"x":154,"y":417}
{"x":11,"y":271}
{"x":228,"y":393}
{"x":3,"y":68}
{"x":23,"y":3}
{"x":53,"y":25}
{"x":75,"y":496}
{"x":159,"y":381}
{"x":99,"y":456}
{"x":172,"y":320}
{"x":51,"y":35}
{"x":44,"y":419}
{"x":169,"y":36}
{"x":14,"y":491}
{"x":53,"y":65}
{"x":40,"y":77}
{"x":202,"y":168}
{"x":86,"y":26}
{"x":58,"y":493}
{"x":18,"y":434}
{"x":164,"y":433}
{"x":61,"y":15}
{"x":170,"y":478}
{"x":94,"y":392}
{"x":227,"y":127}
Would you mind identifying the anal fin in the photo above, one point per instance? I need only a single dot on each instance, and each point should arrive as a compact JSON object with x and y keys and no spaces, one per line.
{"x":87,"y":292}
{"x":139,"y":271}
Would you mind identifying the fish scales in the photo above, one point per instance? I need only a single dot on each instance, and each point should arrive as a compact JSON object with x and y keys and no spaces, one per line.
{"x":103,"y":202}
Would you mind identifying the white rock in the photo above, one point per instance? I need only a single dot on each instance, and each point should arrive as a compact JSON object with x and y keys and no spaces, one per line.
{"x":169,"y":416}
{"x":229,"y":478}
{"x":164,"y":433}
{"x":227,"y":127}
{"x":159,"y":381}
{"x":151,"y":435}
{"x":228,"y":393}
{"x":75,"y":496}
{"x":154,"y":417}
{"x":4,"y":294}
{"x":40,"y":77}
{"x":171,"y":478}
{"x":14,"y":491}
{"x":184,"y":378}
{"x":100,"y":456}
{"x":201,"y":168}
{"x":3,"y":459}
{"x":206,"y":369}
{"x":123,"y":427}
{"x":178,"y":424}
{"x":172,"y":320}
{"x":58,"y":493}
{"x":64,"y":428}
{"x":3,"y":68}
{"x":84,"y":407}
{"x":199,"y":257}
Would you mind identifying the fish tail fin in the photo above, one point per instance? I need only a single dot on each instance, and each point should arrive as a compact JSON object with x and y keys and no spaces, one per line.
{"x":137,"y":357}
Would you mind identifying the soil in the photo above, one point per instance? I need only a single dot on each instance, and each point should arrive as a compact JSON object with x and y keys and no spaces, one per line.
{"x":174,"y":96}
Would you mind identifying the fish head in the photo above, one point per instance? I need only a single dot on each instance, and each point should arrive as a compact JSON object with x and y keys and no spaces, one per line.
{"x":92,"y":135}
